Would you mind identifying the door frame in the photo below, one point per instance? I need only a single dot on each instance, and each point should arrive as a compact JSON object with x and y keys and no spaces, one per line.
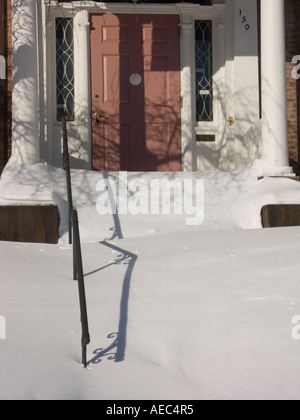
{"x":80,"y":128}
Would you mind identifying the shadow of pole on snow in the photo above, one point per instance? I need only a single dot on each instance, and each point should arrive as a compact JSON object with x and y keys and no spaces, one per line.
{"x":116,"y":350}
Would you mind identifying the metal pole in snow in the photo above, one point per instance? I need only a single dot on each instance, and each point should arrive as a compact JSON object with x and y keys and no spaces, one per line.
{"x":85,"y":338}
{"x":68,"y":174}
{"x":77,"y":257}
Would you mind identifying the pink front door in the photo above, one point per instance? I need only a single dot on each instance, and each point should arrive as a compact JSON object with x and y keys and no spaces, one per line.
{"x":135,"y":77}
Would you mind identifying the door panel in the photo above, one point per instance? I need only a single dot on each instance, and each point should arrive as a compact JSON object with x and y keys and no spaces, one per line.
{"x":156,"y":81}
{"x":113,"y":79}
{"x":136,"y":120}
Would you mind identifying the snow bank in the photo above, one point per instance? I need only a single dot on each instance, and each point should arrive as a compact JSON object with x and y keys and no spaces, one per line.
{"x":231,"y":200}
{"x":175,"y":311}
{"x":171,"y":316}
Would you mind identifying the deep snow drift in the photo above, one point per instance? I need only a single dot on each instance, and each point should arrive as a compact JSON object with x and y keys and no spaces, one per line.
{"x":175,"y":311}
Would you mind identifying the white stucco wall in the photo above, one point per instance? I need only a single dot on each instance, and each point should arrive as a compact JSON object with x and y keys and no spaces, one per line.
{"x":246,"y":78}
{"x":25,"y":95}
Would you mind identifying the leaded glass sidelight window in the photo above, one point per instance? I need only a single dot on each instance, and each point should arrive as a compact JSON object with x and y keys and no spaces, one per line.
{"x":204,"y":72}
{"x":64,"y":68}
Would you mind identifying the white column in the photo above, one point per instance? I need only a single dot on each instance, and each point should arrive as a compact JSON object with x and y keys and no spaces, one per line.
{"x":82,"y":60}
{"x":25,"y":111}
{"x":187,"y":128}
{"x":273,"y":83}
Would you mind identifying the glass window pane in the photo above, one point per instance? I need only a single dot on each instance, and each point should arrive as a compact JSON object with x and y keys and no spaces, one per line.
{"x":204,"y":72}
{"x":64,"y":68}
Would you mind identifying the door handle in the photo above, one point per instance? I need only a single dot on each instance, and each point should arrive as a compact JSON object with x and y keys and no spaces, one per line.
{"x":98,"y":115}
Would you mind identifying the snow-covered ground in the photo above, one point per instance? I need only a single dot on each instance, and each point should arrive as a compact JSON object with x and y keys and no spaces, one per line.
{"x":175,"y":311}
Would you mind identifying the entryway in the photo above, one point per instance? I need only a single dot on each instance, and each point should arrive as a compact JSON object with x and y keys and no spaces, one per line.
{"x":135,"y":92}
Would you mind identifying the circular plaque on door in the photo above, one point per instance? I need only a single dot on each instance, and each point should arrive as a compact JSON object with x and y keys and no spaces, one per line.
{"x":135,"y":79}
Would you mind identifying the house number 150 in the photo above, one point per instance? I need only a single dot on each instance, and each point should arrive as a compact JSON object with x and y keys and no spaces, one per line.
{"x":244,"y":20}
